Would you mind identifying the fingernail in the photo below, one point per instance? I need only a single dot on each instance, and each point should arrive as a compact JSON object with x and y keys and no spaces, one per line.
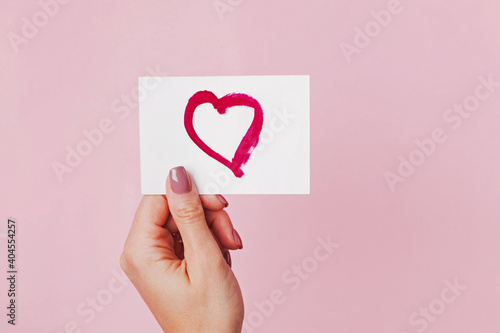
{"x":227,"y":257}
{"x":237,"y":239}
{"x":222,"y":199}
{"x":179,"y":180}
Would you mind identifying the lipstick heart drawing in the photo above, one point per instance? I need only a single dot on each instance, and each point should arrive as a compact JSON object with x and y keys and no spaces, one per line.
{"x":249,"y":141}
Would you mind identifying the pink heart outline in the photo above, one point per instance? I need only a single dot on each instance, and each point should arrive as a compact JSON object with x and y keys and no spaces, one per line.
{"x":249,"y":141}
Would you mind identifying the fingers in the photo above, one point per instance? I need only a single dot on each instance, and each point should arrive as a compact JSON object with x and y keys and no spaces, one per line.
{"x":213,"y":201}
{"x":150,"y":216}
{"x":185,"y":206}
{"x":221,"y":225}
{"x":227,"y":258}
{"x":210,"y":202}
{"x":148,"y":241}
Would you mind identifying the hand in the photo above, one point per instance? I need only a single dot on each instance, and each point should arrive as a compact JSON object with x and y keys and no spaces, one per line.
{"x":188,"y":286}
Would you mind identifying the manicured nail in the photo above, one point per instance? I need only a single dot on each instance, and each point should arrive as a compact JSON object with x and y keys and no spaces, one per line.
{"x":227,"y":257}
{"x":237,"y":239}
{"x":179,"y":180}
{"x":223,"y":200}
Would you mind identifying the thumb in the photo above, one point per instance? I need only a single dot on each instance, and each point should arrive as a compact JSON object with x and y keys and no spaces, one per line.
{"x":187,"y":212}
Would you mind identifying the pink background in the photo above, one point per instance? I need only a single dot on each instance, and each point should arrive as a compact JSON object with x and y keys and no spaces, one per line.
{"x":396,"y":248}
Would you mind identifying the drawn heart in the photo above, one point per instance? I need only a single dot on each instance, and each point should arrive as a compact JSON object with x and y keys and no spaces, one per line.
{"x":249,"y":141}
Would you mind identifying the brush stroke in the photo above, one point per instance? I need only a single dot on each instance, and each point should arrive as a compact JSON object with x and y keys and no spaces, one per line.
{"x":249,"y":141}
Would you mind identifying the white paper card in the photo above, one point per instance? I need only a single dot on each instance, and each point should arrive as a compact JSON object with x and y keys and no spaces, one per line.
{"x":278,"y":163}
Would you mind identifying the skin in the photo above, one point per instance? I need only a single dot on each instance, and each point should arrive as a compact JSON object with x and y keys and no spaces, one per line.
{"x":188,"y":286}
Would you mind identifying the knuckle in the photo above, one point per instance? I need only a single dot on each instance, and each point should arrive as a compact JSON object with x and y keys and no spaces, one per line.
{"x":129,"y":261}
{"x":190,"y":214}
{"x":123,"y":263}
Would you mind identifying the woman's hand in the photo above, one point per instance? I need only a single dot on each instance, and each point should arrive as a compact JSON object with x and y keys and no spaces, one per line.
{"x":186,"y":282}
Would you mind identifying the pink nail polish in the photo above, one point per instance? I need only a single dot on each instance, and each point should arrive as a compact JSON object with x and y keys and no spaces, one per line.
{"x":222,"y":199}
{"x":227,"y":257}
{"x":237,"y":239}
{"x":179,"y":180}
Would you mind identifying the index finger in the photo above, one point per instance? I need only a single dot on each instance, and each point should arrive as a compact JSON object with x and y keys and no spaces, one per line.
{"x":151,"y":214}
{"x":213,"y":201}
